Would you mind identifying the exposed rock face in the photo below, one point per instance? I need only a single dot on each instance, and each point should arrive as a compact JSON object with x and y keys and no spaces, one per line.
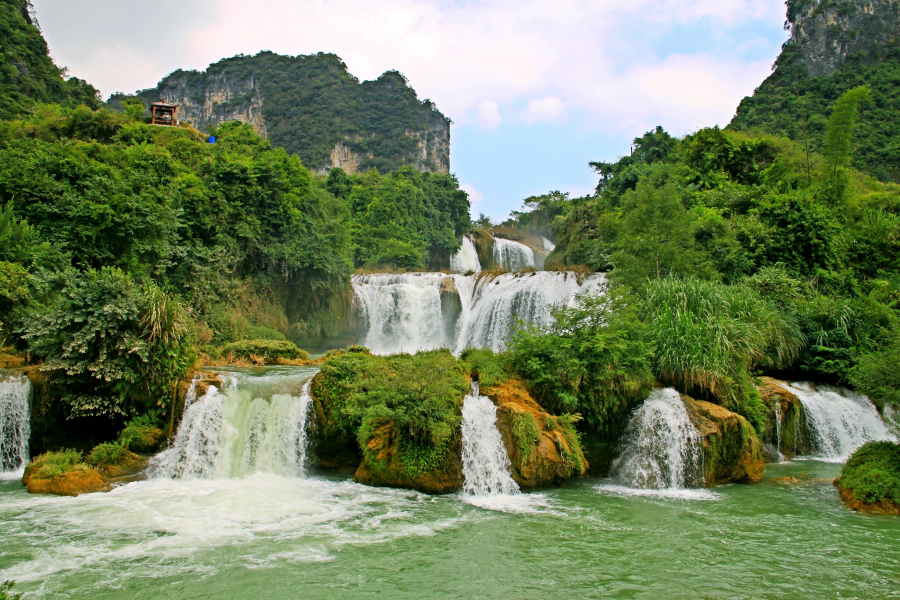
{"x":543,"y":449}
{"x":312,"y":106}
{"x":73,"y":483}
{"x":731,"y":450}
{"x":827,"y":31}
{"x":784,"y":405}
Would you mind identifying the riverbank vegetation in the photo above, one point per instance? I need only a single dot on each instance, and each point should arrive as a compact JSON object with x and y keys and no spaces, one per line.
{"x":870,"y":481}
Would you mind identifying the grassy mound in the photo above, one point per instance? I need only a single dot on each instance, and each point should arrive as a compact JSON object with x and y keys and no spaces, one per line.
{"x":264,"y":351}
{"x":62,"y":473}
{"x":870,"y":481}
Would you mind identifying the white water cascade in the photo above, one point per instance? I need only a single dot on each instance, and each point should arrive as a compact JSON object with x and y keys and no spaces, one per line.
{"x":839,"y":420}
{"x":486,"y":465}
{"x":258,"y":425}
{"x":410,"y":312}
{"x":548,"y":245}
{"x":662,"y":448}
{"x":512,"y":256}
{"x":15,"y":429}
{"x":466,"y":260}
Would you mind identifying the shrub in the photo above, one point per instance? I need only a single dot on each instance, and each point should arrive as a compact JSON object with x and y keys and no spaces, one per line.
{"x":269,"y":349}
{"x":873,"y":473}
{"x":487,"y":367}
{"x":141,"y":435}
{"x":6,"y":592}
{"x":710,"y":336}
{"x":53,"y":464}
{"x":594,"y":359}
{"x":105,"y":455}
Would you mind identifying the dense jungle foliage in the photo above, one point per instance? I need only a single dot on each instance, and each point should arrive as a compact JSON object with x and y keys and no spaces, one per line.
{"x":310,"y":103}
{"x":728,"y":254}
{"x":873,"y":474}
{"x":791,"y":103}
{"x":27,"y":73}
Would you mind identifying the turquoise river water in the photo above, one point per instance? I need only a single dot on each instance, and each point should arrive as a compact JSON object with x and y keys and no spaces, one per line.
{"x":268,"y":536}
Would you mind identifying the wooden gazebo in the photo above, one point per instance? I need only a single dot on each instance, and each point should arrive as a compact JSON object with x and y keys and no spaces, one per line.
{"x":163,"y":113}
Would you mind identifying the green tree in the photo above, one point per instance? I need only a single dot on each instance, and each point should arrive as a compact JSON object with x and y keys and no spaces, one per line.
{"x":838,"y":146}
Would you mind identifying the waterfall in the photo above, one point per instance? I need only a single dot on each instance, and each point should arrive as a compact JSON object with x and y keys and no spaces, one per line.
{"x":662,"y":449}
{"x":425,"y":311}
{"x":466,"y":260}
{"x":548,"y":245}
{"x":486,"y":465}
{"x":839,"y":420}
{"x":15,"y":429}
{"x":512,"y":256}
{"x":247,"y":428}
{"x":778,"y":429}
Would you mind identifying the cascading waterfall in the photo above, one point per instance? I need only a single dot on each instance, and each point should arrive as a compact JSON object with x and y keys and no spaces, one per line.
{"x":778,"y":429}
{"x":486,"y":464}
{"x":424,"y":311}
{"x":15,"y":429}
{"x":512,"y":256}
{"x":466,"y":260}
{"x":240,"y":431}
{"x":548,"y":245}
{"x":662,"y":449}
{"x":839,"y":420}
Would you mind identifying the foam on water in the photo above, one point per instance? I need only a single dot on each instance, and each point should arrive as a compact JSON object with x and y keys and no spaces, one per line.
{"x":668,"y":494}
{"x":466,"y":260}
{"x":661,"y":448}
{"x":165,"y":527}
{"x":15,"y":425}
{"x":839,"y":420}
{"x":512,"y":256}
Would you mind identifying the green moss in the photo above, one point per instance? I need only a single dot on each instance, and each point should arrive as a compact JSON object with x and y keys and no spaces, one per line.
{"x":526,"y":435}
{"x":873,"y":473}
{"x":105,"y":455}
{"x":572,"y":455}
{"x":487,"y":367}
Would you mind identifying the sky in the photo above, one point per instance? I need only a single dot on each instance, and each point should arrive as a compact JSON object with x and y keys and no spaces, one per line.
{"x":536,"y":89}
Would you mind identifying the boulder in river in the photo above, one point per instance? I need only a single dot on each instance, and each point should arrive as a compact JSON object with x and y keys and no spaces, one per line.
{"x":731,"y":449}
{"x":786,"y":430}
{"x":870,"y":480}
{"x":543,"y":449}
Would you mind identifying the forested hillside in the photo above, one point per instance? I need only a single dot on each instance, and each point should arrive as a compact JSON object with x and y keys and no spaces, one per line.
{"x":835,"y":46}
{"x":27,"y":74}
{"x":312,"y":106}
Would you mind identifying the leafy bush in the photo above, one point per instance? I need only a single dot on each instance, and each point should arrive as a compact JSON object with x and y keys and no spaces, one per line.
{"x":873,"y":473}
{"x":876,"y":375}
{"x":270,"y":349}
{"x":141,"y":435}
{"x":594,"y":359}
{"x":487,"y":367}
{"x":6,"y":592}
{"x":105,"y":455}
{"x":419,"y":395}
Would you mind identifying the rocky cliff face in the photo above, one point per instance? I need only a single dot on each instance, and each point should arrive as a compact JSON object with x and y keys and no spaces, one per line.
{"x":828,"y":31}
{"x":312,"y":106}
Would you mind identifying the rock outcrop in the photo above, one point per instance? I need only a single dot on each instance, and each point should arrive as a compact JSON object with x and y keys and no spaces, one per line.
{"x":543,"y":449}
{"x":382,"y":466}
{"x":731,"y":450}
{"x":312,"y":106}
{"x":827,"y":32}
{"x":786,"y":431}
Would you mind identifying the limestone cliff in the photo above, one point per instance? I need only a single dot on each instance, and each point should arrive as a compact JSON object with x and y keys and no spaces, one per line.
{"x":312,"y":106}
{"x":827,"y":31}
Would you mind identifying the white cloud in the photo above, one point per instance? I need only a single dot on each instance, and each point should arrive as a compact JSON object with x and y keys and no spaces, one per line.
{"x":596,"y":59}
{"x":548,"y":109}
{"x":488,"y":115}
{"x":475,"y":197}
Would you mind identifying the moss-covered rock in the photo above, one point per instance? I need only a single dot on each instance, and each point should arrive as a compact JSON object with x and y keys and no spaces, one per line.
{"x":68,"y":473}
{"x":784,"y":408}
{"x":544,"y":449}
{"x":389,"y":463}
{"x":870,"y":481}
{"x":731,"y":449}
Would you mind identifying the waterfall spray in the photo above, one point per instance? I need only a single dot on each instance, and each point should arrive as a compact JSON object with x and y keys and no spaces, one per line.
{"x":486,"y":465}
{"x":662,"y":449}
{"x":235,"y":433}
{"x":839,"y":421}
{"x":15,"y":429}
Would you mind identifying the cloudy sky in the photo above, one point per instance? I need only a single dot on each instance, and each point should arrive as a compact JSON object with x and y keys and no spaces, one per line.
{"x":536,"y":88}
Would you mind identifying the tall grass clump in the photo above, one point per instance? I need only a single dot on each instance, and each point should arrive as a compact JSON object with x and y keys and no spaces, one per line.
{"x":710,"y":337}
